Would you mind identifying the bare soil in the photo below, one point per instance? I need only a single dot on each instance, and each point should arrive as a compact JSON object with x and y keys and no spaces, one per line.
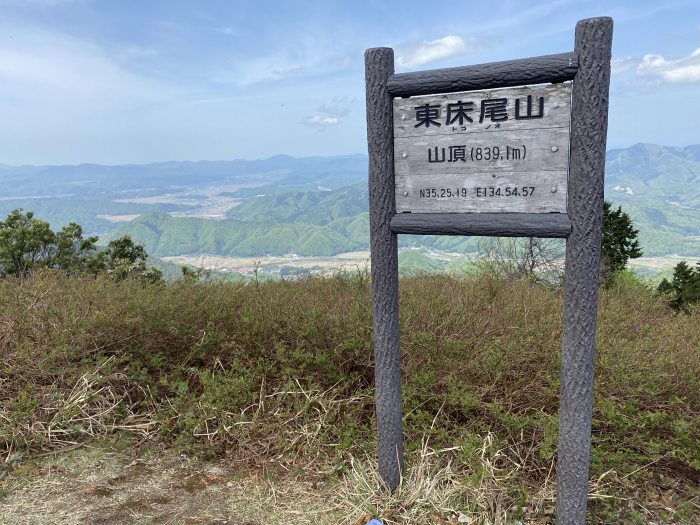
{"x":95,"y":486}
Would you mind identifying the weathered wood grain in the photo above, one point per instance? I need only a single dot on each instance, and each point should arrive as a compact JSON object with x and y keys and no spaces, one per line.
{"x":536,"y":70}
{"x":548,"y":196}
{"x":379,"y":65}
{"x":589,"y":124}
{"x":555,"y":225}
{"x":557,"y":111}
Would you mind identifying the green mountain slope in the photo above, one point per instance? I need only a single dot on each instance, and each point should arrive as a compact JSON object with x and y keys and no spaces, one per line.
{"x":657,"y":185}
{"x":310,"y":207}
{"x":315,"y":206}
{"x":164,"y":235}
{"x":85,"y":211}
{"x":84,"y":193}
{"x":660,"y":188}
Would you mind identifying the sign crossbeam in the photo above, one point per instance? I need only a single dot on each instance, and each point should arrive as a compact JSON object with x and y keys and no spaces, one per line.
{"x":550,"y":225}
{"x":536,"y":70}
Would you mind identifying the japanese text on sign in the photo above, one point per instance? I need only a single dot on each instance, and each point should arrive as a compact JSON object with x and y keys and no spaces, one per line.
{"x":498,"y":150}
{"x":492,"y":109}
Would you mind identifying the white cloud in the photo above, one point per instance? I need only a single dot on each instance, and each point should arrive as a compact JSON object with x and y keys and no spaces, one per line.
{"x":301,"y":56}
{"x":445,"y":47}
{"x":294,"y":71}
{"x":320,"y":122}
{"x":60,"y":70}
{"x":621,"y":65}
{"x":265,"y":69}
{"x":682,"y":70}
{"x":68,"y":97}
{"x":280,"y":66}
{"x":338,"y":106}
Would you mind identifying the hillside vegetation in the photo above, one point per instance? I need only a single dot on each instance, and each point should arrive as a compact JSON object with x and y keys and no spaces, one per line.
{"x":660,"y":188}
{"x":309,"y":207}
{"x":314,"y":205}
{"x":164,"y":235}
{"x":657,"y":186}
{"x":86,"y":192}
{"x":279,"y":377}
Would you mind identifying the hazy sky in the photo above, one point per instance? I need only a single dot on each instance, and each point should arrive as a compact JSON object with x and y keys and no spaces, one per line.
{"x":119,"y":81}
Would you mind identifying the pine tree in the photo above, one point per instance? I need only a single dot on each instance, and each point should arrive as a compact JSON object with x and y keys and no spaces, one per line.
{"x":684,"y":288}
{"x":619,"y":243}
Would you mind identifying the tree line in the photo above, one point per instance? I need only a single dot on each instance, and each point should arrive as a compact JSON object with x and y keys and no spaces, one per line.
{"x":28,"y":243}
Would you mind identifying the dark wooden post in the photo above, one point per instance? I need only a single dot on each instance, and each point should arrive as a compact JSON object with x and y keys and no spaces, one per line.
{"x":379,"y":66}
{"x":589,"y":124}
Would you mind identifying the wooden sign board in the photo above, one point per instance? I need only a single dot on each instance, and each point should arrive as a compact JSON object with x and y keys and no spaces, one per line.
{"x":450,"y":151}
{"x":498,"y":150}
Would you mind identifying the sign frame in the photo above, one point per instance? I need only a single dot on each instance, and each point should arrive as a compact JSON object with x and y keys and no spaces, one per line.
{"x":588,"y":66}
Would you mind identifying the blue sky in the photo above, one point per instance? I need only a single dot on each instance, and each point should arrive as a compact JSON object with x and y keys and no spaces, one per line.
{"x":121,"y":81}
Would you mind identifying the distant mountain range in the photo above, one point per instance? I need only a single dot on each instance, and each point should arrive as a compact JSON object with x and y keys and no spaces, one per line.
{"x":139,"y":180}
{"x":660,"y":188}
{"x":311,"y":206}
{"x":87,"y":192}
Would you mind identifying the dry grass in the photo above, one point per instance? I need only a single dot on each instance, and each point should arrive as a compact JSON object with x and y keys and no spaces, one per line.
{"x":97,"y":405}
{"x":278,"y":378}
{"x":433,"y":488}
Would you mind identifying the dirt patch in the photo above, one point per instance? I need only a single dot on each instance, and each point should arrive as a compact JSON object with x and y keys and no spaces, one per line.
{"x":96,"y":486}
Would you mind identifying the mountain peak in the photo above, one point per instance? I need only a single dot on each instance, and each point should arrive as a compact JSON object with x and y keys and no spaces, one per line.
{"x":692,"y":152}
{"x":281,"y":157}
{"x":649,"y":149}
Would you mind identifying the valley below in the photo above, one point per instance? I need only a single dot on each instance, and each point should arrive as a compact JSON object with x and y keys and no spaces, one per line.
{"x":286,"y":216}
{"x":359,"y":261}
{"x":350,"y":261}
